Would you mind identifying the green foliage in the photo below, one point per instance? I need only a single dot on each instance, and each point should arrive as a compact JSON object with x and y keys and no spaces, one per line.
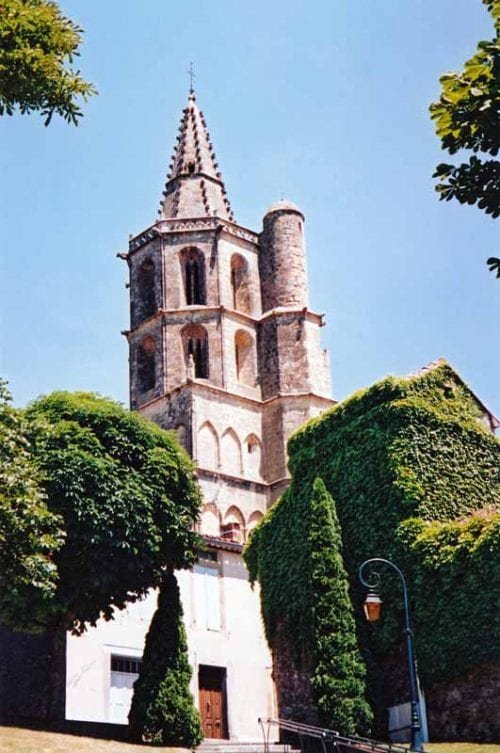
{"x":305,"y":597}
{"x":36,"y":43}
{"x":285,"y":582}
{"x":455,"y":576}
{"x":467,"y":116}
{"x":414,"y":448}
{"x":162,"y":710}
{"x":402,"y":449}
{"x":29,"y":533}
{"x":126,"y":494}
{"x":338,"y":678}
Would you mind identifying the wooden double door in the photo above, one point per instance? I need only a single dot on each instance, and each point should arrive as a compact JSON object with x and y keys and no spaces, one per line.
{"x":212,"y":695}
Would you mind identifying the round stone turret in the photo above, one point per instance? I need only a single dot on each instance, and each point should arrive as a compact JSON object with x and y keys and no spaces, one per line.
{"x":282,"y":261}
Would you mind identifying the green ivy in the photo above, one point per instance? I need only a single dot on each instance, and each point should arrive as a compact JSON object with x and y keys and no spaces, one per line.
{"x":306,"y":600}
{"x":458,"y":563}
{"x":401,"y":449}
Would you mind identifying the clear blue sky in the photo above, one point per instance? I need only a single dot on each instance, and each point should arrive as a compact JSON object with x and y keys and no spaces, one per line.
{"x":324,"y":102}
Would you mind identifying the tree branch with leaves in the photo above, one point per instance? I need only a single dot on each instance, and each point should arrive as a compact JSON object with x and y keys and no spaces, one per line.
{"x":467,"y":117}
{"x":37,"y":42}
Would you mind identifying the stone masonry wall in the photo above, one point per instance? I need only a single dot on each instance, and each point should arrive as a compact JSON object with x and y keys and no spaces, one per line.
{"x":293,"y":354}
{"x":467,"y":708}
{"x":152,"y":328}
{"x":174,"y":412}
{"x":268,"y":355}
{"x":282,"y":262}
{"x":274,"y":441}
{"x":30,"y":666}
{"x":291,"y":674}
{"x":150,"y":252}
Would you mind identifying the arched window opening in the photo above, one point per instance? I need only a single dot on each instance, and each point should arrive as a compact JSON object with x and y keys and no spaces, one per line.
{"x":207,"y":447}
{"x":253,"y":457}
{"x":240,"y":284}
{"x":196,"y":349}
{"x":146,"y":367}
{"x":146,"y":289}
{"x":233,"y":528}
{"x":245,"y":358}
{"x":230,"y":451}
{"x":194,"y":277}
{"x":210,"y":520}
{"x":254,"y":520}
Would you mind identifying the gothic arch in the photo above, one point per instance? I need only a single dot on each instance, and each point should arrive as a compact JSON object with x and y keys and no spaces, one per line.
{"x":230,"y":452}
{"x":240,"y":284}
{"x":245,"y":357}
{"x":193,"y":274}
{"x":207,"y":447}
{"x":146,"y":294}
{"x":195,"y":346}
{"x":254,"y":519}
{"x":233,"y":526}
{"x":210,"y":520}
{"x":146,"y":366}
{"x":252,"y":453}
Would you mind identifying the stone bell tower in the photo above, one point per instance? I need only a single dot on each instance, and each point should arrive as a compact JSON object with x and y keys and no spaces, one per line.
{"x":225,"y":351}
{"x":223,"y":346}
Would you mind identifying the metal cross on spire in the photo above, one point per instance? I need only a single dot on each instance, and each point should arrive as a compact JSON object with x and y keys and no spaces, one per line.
{"x":192,"y":77}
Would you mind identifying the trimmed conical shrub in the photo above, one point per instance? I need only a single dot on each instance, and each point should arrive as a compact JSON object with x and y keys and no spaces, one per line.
{"x":163,"y":710}
{"x":338,"y":678}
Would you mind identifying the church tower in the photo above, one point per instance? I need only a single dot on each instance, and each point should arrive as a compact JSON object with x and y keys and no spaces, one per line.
{"x":225,"y":351}
{"x":223,"y":346}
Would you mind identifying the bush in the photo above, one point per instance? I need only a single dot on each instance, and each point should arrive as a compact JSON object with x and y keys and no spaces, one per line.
{"x":162,"y":710}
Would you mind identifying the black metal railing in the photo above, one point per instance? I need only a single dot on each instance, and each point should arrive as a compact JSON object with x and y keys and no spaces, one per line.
{"x":310,"y":739}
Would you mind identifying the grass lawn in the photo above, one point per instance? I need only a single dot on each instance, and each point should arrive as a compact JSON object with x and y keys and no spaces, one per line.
{"x":462,"y":748}
{"x":17,"y":740}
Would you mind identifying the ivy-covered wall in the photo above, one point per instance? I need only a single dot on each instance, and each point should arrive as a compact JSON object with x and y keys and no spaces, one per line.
{"x":308,"y":616}
{"x":403,"y":449}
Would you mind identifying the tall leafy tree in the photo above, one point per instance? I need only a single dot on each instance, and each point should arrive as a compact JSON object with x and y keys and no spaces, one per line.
{"x":338,"y":678}
{"x":37,"y":46}
{"x":125,"y":492}
{"x":29,"y":533}
{"x":467,"y":116}
{"x":126,"y":496}
{"x":295,"y":553}
{"x":163,"y":710}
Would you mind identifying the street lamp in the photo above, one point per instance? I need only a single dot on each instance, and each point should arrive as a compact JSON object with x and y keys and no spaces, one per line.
{"x":371,"y":608}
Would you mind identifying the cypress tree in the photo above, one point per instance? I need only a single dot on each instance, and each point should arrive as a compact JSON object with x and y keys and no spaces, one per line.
{"x":163,"y":710}
{"x":338,"y":679}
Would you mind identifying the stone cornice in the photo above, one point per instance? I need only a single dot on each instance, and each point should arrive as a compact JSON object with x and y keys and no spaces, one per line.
{"x":233,"y":314}
{"x":230,"y":478}
{"x":200,"y":386}
{"x":311,"y":316}
{"x":189,"y":225}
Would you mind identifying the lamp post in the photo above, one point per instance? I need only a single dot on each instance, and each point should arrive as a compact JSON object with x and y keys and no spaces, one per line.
{"x":371,"y":608}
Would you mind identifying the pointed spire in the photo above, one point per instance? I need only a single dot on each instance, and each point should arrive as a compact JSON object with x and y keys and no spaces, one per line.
{"x":194,"y":187}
